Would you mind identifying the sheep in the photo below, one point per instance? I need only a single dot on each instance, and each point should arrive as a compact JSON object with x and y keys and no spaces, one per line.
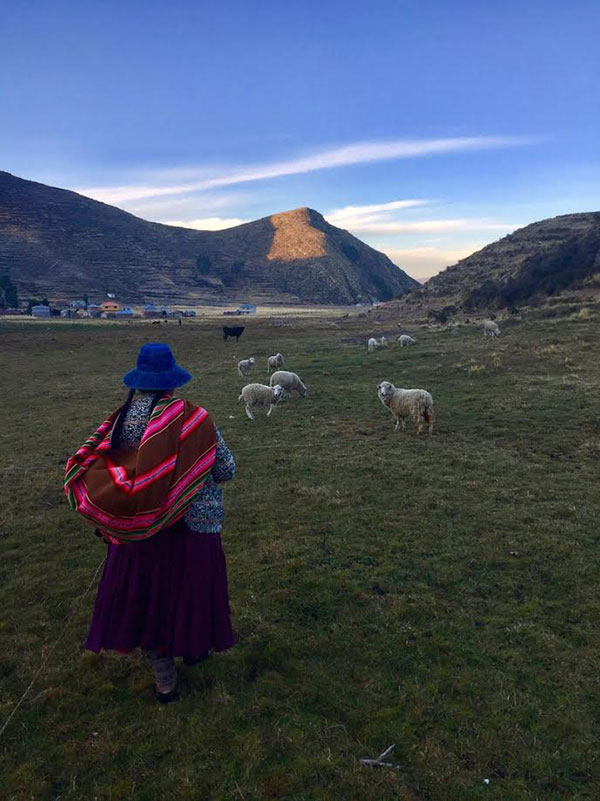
{"x":246,"y":365}
{"x":372,"y":344}
{"x":289,"y":382}
{"x":490,"y":328}
{"x":260,"y":395}
{"x":383,"y":343}
{"x":274,"y":362}
{"x":403,"y":403}
{"x":405,"y":340}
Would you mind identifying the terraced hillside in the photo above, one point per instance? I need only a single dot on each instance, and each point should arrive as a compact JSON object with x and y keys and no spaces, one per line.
{"x":58,"y":243}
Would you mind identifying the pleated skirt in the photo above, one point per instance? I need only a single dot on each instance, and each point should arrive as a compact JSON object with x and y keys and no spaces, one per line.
{"x":168,"y":592}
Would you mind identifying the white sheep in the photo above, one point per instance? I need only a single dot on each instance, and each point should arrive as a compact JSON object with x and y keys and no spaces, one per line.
{"x":372,"y":344}
{"x":289,"y":381}
{"x":416,"y":404}
{"x":274,"y":362}
{"x":490,"y":328}
{"x":405,"y":340}
{"x":260,"y":395}
{"x":246,"y":365}
{"x":383,"y":343}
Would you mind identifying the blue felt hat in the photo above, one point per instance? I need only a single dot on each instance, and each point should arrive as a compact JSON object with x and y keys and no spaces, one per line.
{"x":156,"y":369}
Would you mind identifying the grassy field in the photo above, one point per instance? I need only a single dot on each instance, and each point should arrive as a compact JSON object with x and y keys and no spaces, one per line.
{"x":441,"y":594}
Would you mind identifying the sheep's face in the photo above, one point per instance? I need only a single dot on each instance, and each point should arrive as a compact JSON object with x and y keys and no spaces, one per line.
{"x":277,"y":393}
{"x":385,"y":391}
{"x":303,"y":391}
{"x":252,"y":360}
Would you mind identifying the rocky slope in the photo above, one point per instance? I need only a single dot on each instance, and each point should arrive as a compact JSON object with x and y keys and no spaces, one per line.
{"x":59,"y":244}
{"x":538,"y":260}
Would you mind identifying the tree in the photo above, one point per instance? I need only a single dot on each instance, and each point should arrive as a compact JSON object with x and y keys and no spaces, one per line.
{"x":203,"y":264}
{"x":8,"y":293}
{"x":86,"y":300}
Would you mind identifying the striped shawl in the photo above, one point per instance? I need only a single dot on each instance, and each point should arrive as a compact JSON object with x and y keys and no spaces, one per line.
{"x":131,"y":494}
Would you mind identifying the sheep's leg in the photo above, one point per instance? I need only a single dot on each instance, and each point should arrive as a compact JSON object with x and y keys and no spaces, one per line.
{"x":397,"y":426}
{"x":430,"y":432}
{"x":249,"y":412}
{"x":271,"y":407}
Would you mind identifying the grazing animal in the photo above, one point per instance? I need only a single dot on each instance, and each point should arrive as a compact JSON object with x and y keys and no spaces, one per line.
{"x":233,"y":331}
{"x":156,"y":322}
{"x":289,"y":381}
{"x":260,"y":395}
{"x":274,"y":362}
{"x":246,"y":365}
{"x":416,"y":404}
{"x":383,"y":343}
{"x":490,"y":329}
{"x":372,"y":344}
{"x":405,"y":340}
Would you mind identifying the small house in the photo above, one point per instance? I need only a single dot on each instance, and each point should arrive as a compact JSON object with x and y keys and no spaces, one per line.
{"x":189,"y":313}
{"x":109,"y":306}
{"x":40,"y":311}
{"x":77,"y":304}
{"x":93,"y":310}
{"x":247,"y":308}
{"x":150,"y":310}
{"x":124,"y":312}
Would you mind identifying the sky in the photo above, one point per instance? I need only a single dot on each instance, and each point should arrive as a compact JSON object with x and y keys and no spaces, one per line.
{"x":426,"y":128}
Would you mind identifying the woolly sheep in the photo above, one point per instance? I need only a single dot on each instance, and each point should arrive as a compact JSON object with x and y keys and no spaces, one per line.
{"x":490,"y":328}
{"x":416,"y":404}
{"x":289,"y":382}
{"x":274,"y":362}
{"x":383,"y":343}
{"x":405,"y":340}
{"x":372,"y":344}
{"x":260,"y":395}
{"x":246,"y":365}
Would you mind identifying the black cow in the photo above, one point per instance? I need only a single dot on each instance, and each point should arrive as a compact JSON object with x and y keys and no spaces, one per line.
{"x":233,"y":331}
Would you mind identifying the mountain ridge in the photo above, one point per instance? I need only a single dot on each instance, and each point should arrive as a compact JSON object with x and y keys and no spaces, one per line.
{"x":56,"y":242}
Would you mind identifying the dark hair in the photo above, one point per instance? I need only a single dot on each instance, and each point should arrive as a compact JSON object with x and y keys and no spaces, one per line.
{"x":115,"y":439}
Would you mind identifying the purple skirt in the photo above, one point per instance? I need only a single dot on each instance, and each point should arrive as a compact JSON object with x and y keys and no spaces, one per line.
{"x":167,"y":592}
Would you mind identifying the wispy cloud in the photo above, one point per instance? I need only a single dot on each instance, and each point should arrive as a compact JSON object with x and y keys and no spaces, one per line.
{"x":208,"y":223}
{"x":431,"y":226}
{"x":205,"y":178}
{"x":350,"y":214}
{"x":381,"y":218}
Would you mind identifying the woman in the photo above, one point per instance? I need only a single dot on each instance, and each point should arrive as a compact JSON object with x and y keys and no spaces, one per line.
{"x":157,"y":460}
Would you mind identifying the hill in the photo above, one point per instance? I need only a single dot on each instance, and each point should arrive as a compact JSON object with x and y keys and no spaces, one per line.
{"x":540,"y":259}
{"x":58,"y":243}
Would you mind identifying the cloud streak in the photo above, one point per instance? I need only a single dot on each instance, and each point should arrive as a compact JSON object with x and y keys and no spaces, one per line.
{"x":347,"y":155}
{"x":431,"y":226}
{"x":208,"y":223}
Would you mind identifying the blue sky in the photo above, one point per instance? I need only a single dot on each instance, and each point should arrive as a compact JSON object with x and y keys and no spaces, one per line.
{"x":426,"y":128}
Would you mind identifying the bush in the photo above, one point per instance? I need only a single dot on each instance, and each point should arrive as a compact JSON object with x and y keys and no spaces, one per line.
{"x":351,"y":252}
{"x":203,"y":265}
{"x":8,"y":293}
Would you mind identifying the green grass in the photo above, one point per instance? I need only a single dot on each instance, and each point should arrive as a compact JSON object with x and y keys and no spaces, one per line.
{"x":441,"y":594}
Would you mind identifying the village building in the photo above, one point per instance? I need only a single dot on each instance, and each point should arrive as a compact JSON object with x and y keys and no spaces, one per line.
{"x":40,"y":311}
{"x":150,"y":310}
{"x":124,"y":312}
{"x":109,"y":306}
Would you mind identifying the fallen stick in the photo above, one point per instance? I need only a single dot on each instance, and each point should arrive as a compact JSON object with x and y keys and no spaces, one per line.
{"x":378,"y":762}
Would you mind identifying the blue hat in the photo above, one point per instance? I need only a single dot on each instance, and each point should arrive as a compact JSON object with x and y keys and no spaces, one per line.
{"x":156,"y":369}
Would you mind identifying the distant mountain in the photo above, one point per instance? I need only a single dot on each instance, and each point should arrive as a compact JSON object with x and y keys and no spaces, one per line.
{"x":59,"y":244}
{"x":539,"y":260}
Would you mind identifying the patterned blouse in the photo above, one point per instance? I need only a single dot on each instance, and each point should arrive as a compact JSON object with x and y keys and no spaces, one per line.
{"x":205,"y":513}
